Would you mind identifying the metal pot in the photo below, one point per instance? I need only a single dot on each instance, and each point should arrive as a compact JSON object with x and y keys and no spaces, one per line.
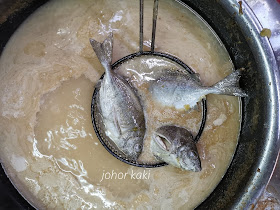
{"x":258,"y":147}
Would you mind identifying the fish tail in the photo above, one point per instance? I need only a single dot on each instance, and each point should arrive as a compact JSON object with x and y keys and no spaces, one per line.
{"x":230,"y":85}
{"x":104,"y":51}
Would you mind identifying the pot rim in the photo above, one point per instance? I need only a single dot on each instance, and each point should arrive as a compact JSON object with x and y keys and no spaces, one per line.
{"x":267,"y":61}
{"x":266,"y":58}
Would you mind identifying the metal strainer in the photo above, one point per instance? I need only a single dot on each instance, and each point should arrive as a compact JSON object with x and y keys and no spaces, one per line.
{"x":95,"y":112}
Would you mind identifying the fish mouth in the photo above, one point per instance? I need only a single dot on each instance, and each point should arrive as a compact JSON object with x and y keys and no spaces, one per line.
{"x":189,"y":160}
{"x":195,"y":167}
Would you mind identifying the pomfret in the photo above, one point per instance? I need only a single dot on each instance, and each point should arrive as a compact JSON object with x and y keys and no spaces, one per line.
{"x":120,"y":108}
{"x":175,"y":146}
{"x":183,"y":90}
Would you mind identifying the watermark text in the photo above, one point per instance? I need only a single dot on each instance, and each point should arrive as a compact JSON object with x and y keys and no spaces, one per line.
{"x":145,"y":174}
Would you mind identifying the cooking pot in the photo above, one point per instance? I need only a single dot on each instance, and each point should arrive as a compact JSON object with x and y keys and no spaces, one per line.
{"x":258,"y":146}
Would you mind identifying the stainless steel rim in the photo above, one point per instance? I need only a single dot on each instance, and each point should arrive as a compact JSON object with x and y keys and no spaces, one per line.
{"x":267,"y":61}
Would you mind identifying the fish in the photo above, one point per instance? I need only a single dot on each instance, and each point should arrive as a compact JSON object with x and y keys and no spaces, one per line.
{"x":120,"y":107}
{"x":176,"y":146}
{"x":184,"y":90}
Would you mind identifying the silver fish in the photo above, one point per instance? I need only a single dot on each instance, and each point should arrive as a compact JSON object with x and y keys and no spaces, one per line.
{"x":175,"y":146}
{"x":183,"y":90}
{"x":120,"y":107}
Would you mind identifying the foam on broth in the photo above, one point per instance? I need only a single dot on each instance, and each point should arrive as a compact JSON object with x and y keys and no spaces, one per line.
{"x":48,"y":71}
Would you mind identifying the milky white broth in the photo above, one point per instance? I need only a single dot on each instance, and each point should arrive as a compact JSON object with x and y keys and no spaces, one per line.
{"x":48,"y":71}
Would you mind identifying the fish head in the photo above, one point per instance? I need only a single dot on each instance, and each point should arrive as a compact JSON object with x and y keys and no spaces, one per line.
{"x":175,"y":146}
{"x":132,"y":148}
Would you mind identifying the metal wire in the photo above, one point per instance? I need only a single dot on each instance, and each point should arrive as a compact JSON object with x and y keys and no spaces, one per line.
{"x":141,"y":20}
{"x":155,"y":14}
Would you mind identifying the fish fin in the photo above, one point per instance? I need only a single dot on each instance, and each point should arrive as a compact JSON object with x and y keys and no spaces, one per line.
{"x":116,"y":122}
{"x":229,"y":85}
{"x":98,"y":84}
{"x":196,"y":76}
{"x":197,"y":107}
{"x":104,"y":51}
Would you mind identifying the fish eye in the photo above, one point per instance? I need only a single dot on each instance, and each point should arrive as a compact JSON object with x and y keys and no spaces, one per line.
{"x":137,"y":147}
{"x":192,"y":154}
